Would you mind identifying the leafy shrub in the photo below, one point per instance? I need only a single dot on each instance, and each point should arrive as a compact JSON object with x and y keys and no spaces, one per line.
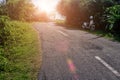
{"x":3,"y":59}
{"x":3,"y":63}
{"x":17,"y":44}
{"x":113,"y":18}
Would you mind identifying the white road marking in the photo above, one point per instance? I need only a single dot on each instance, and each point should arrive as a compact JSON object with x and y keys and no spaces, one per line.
{"x":108,"y":66}
{"x":63,"y":33}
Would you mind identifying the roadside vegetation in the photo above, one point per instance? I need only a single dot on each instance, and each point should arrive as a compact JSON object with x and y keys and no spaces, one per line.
{"x":20,"y":53}
{"x":18,"y":50}
{"x":106,"y":35}
{"x":60,"y":21}
{"x":106,"y":14}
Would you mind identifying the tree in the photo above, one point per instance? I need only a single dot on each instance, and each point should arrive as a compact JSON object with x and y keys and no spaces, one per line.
{"x":78,"y":11}
{"x":20,"y":9}
{"x":113,"y":19}
{"x":74,"y":10}
{"x":3,"y":10}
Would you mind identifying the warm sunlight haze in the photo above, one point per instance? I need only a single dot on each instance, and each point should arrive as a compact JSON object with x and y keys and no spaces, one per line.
{"x":59,"y":39}
{"x":46,"y":5}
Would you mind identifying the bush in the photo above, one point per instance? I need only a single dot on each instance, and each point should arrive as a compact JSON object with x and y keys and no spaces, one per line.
{"x":113,"y":19}
{"x":18,"y":45}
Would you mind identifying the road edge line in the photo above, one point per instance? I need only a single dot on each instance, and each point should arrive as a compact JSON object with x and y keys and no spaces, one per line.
{"x":108,"y":66}
{"x":63,"y":33}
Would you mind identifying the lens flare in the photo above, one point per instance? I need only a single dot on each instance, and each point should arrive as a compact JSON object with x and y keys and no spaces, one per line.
{"x":72,"y":69}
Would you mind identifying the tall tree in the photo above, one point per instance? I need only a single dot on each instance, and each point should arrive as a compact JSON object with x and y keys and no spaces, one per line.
{"x":77,"y":11}
{"x":20,"y":9}
{"x":3,"y":10}
{"x":74,"y":10}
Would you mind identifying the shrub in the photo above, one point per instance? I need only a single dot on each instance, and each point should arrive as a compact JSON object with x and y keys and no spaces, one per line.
{"x":113,"y":19}
{"x":18,"y":43}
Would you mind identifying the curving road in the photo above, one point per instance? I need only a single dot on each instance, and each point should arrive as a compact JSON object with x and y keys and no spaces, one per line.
{"x":71,"y":54}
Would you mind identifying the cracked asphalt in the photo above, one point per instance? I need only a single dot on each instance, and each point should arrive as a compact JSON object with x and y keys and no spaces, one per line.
{"x":69,"y":54}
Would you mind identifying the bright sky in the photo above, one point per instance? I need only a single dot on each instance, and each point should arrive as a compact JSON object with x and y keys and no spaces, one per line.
{"x":46,"y":5}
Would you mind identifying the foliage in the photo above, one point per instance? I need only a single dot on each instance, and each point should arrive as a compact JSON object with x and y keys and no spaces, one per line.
{"x":97,"y":9}
{"x":3,"y":9}
{"x":20,"y":10}
{"x":113,"y":18}
{"x":17,"y":49}
{"x":3,"y":22}
{"x":74,"y":10}
{"x":78,"y":11}
{"x":40,"y":16}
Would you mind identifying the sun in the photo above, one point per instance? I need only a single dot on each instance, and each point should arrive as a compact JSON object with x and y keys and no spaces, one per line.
{"x":45,"y":8}
{"x":46,"y":5}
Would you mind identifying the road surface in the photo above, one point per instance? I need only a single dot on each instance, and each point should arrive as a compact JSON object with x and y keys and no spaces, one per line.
{"x":71,"y":54}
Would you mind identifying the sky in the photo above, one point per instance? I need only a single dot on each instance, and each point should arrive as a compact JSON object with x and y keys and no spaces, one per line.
{"x":0,"y":0}
{"x":46,"y":5}
{"x":49,"y":6}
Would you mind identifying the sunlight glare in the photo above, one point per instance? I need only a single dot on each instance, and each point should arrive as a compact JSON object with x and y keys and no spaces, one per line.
{"x":46,"y":5}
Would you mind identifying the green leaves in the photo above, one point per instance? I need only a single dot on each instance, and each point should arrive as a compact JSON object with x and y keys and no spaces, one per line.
{"x":17,"y":43}
{"x":3,"y":63}
{"x":113,"y":14}
{"x":75,"y":11}
{"x":18,"y":9}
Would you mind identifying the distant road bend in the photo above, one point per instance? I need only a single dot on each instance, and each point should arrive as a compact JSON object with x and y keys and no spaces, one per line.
{"x":71,"y":54}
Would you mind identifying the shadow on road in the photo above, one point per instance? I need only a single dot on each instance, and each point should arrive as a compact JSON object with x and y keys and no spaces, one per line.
{"x":97,"y":37}
{"x":70,"y":27}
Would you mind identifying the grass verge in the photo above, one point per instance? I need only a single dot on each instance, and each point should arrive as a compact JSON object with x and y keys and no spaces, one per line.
{"x":105,"y":35}
{"x":60,"y":22}
{"x":20,"y":56}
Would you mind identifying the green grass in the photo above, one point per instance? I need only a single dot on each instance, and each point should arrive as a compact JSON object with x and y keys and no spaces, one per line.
{"x":60,"y":22}
{"x":105,"y":35}
{"x":20,"y":56}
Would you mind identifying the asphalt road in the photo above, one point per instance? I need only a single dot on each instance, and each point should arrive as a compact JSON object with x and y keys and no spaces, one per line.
{"x":71,"y":54}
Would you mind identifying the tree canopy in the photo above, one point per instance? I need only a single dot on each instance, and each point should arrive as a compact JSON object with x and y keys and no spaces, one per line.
{"x":78,"y":11}
{"x":22,"y":10}
{"x":74,"y":10}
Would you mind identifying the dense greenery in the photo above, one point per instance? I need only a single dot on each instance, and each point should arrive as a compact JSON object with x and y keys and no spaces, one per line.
{"x":106,"y":13}
{"x":18,"y":48}
{"x":74,"y":10}
{"x":113,"y":19}
{"x":22,"y":10}
{"x":19,"y":54}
